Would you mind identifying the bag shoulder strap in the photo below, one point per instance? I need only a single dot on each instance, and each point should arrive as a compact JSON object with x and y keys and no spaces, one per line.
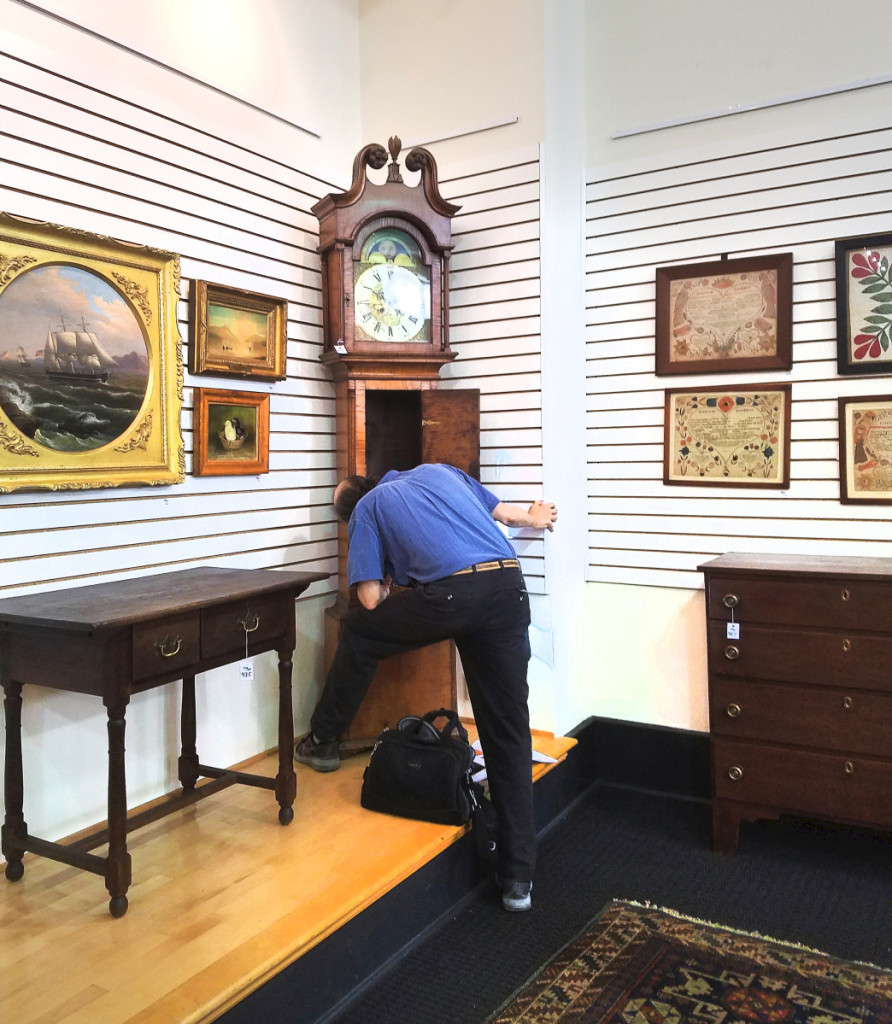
{"x":453,"y":723}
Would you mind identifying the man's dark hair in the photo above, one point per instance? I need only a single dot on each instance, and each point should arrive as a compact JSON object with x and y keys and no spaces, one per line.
{"x":352,"y":488}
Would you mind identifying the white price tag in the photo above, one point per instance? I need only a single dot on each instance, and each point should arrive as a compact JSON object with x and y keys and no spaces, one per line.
{"x":246,"y":670}
{"x":733,"y":631}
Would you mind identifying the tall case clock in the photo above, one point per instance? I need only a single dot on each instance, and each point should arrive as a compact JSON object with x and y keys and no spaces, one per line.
{"x":385,"y":307}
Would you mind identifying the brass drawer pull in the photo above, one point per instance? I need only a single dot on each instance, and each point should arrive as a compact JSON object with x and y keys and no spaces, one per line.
{"x":250,"y":622}
{"x":732,"y":653}
{"x":735,"y":773}
{"x":847,"y":703}
{"x":845,"y":595}
{"x":849,"y":768}
{"x":733,"y":710}
{"x":846,"y":646}
{"x":730,"y":600}
{"x":169,"y":646}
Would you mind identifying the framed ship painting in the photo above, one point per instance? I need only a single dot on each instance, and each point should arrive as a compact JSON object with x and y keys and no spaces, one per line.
{"x":236,"y":333}
{"x":231,"y":433}
{"x":736,"y":436}
{"x":91,"y":365}
{"x":728,"y":316}
{"x":864,"y":304}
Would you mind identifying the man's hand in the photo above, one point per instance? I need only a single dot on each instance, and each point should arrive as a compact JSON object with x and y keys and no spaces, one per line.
{"x":543,"y":515}
{"x":372,"y":592}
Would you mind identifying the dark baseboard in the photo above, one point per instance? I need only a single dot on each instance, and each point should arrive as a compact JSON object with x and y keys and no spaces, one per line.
{"x":608,"y":751}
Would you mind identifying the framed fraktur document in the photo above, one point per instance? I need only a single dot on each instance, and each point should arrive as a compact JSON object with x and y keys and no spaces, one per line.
{"x":735,"y":436}
{"x":865,"y":450}
{"x":728,"y":316}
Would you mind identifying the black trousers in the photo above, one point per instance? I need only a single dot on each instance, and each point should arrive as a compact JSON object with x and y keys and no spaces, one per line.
{"x":487,"y":614}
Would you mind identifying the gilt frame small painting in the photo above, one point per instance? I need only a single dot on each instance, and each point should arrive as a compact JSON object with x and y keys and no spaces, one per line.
{"x":237,"y":333}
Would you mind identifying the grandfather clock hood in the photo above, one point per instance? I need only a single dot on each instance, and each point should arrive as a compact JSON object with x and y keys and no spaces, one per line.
{"x":340,"y":213}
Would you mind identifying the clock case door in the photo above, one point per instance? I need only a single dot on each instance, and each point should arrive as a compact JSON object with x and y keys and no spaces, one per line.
{"x":395,"y":428}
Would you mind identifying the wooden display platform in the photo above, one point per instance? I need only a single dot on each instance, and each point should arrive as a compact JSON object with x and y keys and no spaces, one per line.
{"x":224,"y":898}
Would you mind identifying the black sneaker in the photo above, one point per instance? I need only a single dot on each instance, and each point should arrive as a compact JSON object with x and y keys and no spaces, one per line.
{"x":323,"y":757}
{"x":516,"y":895}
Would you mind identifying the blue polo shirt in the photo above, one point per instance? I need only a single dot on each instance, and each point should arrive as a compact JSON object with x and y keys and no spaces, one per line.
{"x":422,"y":525}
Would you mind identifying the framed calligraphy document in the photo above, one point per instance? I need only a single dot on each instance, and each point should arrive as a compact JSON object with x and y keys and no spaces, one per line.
{"x":732,"y":437}
{"x":725,"y":316}
{"x":865,"y":450}
{"x":864,"y":304}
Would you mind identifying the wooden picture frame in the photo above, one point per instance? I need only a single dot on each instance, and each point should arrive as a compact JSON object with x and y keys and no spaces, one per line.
{"x":864,"y":304}
{"x":737,"y":436}
{"x":91,"y":361}
{"x":865,"y":450}
{"x":237,"y":333}
{"x":726,"y":316}
{"x":231,"y":433}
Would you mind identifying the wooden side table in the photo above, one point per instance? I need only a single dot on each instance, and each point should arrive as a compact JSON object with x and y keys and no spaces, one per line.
{"x":116,"y":639}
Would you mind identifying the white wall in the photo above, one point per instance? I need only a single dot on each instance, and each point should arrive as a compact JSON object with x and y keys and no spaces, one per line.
{"x":97,"y":138}
{"x":792,"y":177}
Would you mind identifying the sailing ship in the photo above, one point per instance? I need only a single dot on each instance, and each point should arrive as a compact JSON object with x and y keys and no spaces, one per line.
{"x":22,"y":357}
{"x":76,"y":355}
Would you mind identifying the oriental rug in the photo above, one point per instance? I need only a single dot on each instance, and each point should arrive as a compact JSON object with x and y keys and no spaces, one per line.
{"x":640,"y":965}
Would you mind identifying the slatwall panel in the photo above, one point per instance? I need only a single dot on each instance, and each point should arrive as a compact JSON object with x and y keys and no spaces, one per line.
{"x":73,"y":154}
{"x":494,"y":328}
{"x":796,"y":198}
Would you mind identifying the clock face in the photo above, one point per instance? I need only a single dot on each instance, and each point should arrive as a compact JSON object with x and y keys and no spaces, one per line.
{"x":392,"y":291}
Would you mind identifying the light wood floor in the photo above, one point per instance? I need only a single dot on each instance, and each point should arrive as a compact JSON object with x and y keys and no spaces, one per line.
{"x":223,"y":897}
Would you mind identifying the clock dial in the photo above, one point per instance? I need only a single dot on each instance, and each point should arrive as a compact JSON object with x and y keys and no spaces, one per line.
{"x":392,"y":289}
{"x":392,"y":303}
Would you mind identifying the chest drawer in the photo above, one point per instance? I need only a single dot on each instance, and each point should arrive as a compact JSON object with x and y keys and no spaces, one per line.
{"x":224,"y":628}
{"x":165,"y":645}
{"x":834,"y":719}
{"x":844,"y":603}
{"x":802,"y":656}
{"x":800,"y":781}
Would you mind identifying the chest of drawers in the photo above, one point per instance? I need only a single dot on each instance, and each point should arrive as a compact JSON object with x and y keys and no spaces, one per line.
{"x":800,"y":692}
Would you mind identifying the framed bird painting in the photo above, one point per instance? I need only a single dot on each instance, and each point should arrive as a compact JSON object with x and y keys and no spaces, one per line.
{"x":231,"y":433}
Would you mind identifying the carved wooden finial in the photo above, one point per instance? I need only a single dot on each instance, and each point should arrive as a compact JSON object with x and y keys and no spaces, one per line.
{"x":394,"y":144}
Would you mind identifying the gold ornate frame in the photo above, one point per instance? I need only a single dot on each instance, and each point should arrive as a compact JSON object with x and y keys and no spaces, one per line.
{"x":208,"y":357}
{"x":149,"y":448}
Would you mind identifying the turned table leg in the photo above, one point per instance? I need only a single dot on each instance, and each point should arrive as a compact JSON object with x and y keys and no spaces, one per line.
{"x":187,"y":766}
{"x":117,"y":865}
{"x":14,"y":830}
{"x":286,"y":779}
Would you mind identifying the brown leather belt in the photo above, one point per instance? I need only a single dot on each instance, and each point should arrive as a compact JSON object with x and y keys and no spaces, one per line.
{"x":499,"y":563}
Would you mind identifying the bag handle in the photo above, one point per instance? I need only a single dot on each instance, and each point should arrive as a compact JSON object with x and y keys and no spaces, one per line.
{"x":453,"y":723}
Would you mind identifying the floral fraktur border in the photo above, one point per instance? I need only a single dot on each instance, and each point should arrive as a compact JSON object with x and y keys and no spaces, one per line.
{"x":864,"y":304}
{"x":758,"y":452}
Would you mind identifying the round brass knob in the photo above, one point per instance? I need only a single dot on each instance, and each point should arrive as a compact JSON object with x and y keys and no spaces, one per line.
{"x":845,"y":595}
{"x":730,"y":600}
{"x":732,"y":653}
{"x":849,"y":768}
{"x":847,"y":703}
{"x":733,"y":710}
{"x":735,"y":773}
{"x":846,"y":646}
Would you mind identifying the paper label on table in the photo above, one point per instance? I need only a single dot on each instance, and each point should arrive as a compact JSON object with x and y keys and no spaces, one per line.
{"x":246,"y":670}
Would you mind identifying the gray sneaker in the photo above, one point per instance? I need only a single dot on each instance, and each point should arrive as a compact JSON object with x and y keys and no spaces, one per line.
{"x":516,"y":895}
{"x":323,"y":757}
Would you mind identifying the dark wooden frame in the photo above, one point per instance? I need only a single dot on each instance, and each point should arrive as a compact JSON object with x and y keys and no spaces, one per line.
{"x":782,"y":359}
{"x":848,"y":452}
{"x":272,"y":367}
{"x":204,"y":461}
{"x":846,"y":364}
{"x":732,"y":390}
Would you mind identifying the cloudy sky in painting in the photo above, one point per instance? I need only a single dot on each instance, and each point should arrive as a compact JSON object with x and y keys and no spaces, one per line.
{"x":39,"y":299}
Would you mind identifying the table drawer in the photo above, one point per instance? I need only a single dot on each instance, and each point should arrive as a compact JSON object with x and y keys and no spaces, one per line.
{"x":802,"y":656}
{"x":224,"y":627}
{"x":165,"y":645}
{"x":843,"y":603}
{"x":805,"y":782}
{"x":835,"y":719}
